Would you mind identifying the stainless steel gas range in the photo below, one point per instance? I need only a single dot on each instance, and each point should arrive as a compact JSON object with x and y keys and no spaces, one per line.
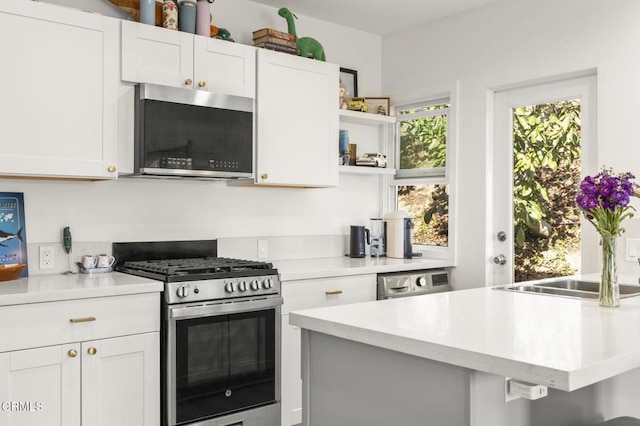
{"x":220,"y":333}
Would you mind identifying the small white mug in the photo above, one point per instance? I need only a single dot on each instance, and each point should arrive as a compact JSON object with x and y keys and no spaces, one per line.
{"x":104,"y":261}
{"x":89,"y":262}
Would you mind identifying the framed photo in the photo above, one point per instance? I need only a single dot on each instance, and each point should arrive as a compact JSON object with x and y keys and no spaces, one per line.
{"x":350,"y":79}
{"x":377,"y":105}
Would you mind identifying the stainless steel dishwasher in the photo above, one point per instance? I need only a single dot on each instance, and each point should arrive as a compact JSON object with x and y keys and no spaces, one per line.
{"x":412,"y":283}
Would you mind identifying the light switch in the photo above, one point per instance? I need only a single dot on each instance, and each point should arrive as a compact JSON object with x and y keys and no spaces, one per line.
{"x":633,"y":248}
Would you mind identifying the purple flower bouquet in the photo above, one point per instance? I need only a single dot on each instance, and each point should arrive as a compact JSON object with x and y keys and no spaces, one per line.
{"x":604,"y":200}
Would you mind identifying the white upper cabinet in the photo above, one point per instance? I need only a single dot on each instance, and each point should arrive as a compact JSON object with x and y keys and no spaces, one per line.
{"x":59,"y":87}
{"x":297,"y":121}
{"x":178,"y":59}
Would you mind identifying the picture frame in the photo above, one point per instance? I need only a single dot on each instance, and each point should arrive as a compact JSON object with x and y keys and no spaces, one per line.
{"x":350,"y":79}
{"x":375,"y":103}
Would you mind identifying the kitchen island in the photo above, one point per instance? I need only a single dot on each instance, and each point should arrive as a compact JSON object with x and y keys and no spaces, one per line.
{"x":443,"y":359}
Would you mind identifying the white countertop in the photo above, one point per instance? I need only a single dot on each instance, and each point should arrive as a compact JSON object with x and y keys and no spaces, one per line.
{"x":47,"y":288}
{"x":302,"y":269}
{"x":555,"y":341}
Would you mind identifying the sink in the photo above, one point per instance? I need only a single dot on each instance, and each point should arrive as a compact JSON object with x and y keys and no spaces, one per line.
{"x":568,"y":287}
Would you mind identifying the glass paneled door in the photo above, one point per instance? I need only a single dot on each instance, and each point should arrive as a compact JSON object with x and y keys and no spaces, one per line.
{"x":544,"y":139}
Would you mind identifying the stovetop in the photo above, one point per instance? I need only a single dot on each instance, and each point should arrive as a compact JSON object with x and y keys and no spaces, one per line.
{"x":205,"y":266}
{"x":192,"y":271}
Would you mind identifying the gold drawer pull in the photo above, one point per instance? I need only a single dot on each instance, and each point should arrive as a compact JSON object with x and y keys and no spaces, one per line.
{"x":73,"y":353}
{"x":85,"y":319}
{"x":333,"y":293}
{"x":92,"y":351}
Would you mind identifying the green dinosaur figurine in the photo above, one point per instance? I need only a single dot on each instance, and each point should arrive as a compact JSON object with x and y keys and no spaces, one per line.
{"x":308,"y":47}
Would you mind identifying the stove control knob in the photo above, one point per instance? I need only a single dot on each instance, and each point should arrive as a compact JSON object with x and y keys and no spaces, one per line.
{"x":242,"y":286}
{"x":230,"y":287}
{"x":183,"y":291}
{"x":267,"y":284}
{"x":255,"y":285}
{"x":421,"y":282}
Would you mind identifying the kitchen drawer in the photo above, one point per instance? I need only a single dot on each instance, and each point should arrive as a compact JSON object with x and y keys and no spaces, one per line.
{"x":316,"y":293}
{"x":50,"y":323}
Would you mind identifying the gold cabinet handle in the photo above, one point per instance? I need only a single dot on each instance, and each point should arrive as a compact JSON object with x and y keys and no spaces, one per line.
{"x":73,"y":353}
{"x":111,"y":169}
{"x":202,"y":83}
{"x":85,"y":319}
{"x":264,"y":176}
{"x":333,"y":292}
{"x":188,"y":82}
{"x":92,"y":350}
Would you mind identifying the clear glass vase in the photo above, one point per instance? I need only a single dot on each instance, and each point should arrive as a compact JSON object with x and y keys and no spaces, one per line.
{"x":609,"y":290}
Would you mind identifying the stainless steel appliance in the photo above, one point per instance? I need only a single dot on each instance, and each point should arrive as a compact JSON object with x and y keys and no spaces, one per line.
{"x":377,"y":247}
{"x":412,"y":283}
{"x":220,"y":333}
{"x":399,"y":235}
{"x":192,"y":133}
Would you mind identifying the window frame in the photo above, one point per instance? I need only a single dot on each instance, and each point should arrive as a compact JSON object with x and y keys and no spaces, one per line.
{"x":432,"y":96}
{"x":434,"y":172}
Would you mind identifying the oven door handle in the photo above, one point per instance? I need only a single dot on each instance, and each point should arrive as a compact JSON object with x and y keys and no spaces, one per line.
{"x":223,"y":308}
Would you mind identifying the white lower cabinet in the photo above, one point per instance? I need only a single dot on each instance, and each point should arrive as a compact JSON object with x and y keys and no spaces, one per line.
{"x":308,"y":294}
{"x":96,"y":376}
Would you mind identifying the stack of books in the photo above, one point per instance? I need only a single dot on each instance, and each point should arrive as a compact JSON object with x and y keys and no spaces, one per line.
{"x":269,"y":38}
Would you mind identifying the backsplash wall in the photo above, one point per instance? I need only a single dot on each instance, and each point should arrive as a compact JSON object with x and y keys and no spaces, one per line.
{"x":157,"y":209}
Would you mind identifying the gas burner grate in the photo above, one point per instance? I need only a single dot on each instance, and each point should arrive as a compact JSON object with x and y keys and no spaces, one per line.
{"x":205,"y":265}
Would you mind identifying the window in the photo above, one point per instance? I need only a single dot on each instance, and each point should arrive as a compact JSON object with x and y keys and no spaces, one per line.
{"x":422,"y":149}
{"x":423,"y":181}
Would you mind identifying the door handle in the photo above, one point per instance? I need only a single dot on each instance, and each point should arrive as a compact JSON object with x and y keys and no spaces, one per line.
{"x":500,"y":259}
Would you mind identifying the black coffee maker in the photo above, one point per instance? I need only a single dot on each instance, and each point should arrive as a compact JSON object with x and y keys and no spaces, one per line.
{"x":358,"y":238}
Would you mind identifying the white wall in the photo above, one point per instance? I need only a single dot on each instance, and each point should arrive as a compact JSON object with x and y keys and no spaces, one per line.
{"x":136,"y":209}
{"x":507,"y":44}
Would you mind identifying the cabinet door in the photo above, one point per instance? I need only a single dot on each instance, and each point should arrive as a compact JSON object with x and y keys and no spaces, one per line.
{"x":224,"y":67}
{"x":40,"y":387}
{"x":156,"y":55}
{"x":60,"y":95}
{"x":297,"y":121}
{"x":309,"y":294}
{"x":121,"y":381}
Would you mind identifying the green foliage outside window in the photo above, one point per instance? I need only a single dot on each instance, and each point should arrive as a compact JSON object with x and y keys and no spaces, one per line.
{"x":546,"y":173}
{"x":423,"y":146}
{"x":423,"y":141}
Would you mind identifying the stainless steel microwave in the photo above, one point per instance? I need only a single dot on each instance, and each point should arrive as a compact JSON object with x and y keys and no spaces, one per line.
{"x":192,"y":133}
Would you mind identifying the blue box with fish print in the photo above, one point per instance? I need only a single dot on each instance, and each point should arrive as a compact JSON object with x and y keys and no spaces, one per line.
{"x":13,"y":232}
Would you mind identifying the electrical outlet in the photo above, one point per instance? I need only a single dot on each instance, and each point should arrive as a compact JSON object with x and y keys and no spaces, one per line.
{"x":46,"y":257}
{"x":262,"y":249}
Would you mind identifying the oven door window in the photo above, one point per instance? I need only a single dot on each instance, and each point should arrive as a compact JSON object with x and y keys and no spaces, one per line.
{"x":224,"y":364}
